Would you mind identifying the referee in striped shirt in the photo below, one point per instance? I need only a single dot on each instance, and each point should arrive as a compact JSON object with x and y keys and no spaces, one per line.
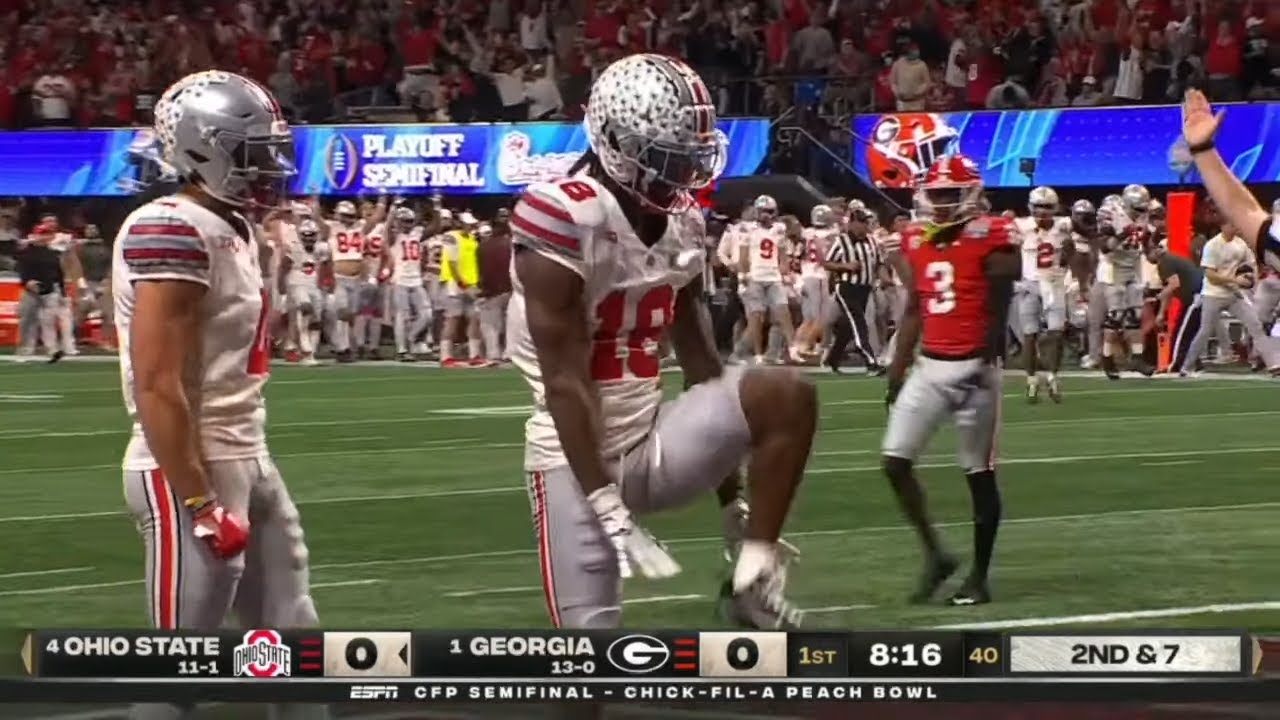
{"x":853,"y":261}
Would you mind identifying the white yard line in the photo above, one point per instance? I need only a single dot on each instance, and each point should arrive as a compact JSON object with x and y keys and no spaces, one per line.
{"x":493,"y":591}
{"x":38,"y":573}
{"x":834,"y":609}
{"x":124,"y":583}
{"x":662,"y":599}
{"x":708,"y":539}
{"x":1171,"y":463}
{"x":509,"y":489}
{"x":1112,"y":617}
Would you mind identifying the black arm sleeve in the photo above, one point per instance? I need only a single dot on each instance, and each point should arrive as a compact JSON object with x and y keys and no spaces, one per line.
{"x":1267,"y":240}
{"x":23,"y":259}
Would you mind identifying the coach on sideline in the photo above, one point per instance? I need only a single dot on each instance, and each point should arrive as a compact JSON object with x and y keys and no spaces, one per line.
{"x":1260,"y":228}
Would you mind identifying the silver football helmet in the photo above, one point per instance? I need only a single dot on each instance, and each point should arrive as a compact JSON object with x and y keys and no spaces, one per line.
{"x":405,"y":216}
{"x":225,"y":134}
{"x":346,"y":211}
{"x":1083,"y":214}
{"x":822,"y":216}
{"x":1043,"y":197}
{"x":1137,"y":199}
{"x":651,"y":123}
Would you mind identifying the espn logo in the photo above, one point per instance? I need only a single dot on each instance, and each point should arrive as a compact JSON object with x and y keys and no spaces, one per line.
{"x":375,"y":692}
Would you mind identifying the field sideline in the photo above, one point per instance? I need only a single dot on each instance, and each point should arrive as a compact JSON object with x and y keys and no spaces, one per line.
{"x":1143,"y":503}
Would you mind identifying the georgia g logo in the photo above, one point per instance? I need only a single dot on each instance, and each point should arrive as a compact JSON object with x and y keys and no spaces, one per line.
{"x":638,"y":654}
{"x":341,"y":161}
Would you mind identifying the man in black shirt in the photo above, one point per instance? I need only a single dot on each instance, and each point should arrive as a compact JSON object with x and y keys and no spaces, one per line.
{"x":40,"y":270}
{"x":1182,"y":279}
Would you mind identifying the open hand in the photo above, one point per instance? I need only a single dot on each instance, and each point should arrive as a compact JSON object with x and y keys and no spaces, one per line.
{"x":1199,"y":122}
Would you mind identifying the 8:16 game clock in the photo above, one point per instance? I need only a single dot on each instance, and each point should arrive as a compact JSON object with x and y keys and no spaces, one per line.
{"x":906,"y":655}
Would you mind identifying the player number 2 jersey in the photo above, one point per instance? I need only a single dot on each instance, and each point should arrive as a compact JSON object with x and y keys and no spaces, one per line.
{"x":176,"y":239}
{"x":1042,"y":249}
{"x":952,"y":286}
{"x":816,"y":242}
{"x":631,"y":290}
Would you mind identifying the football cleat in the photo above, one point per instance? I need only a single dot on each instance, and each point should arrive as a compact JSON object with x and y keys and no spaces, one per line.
{"x":453,"y":363}
{"x":1055,"y":389}
{"x":936,"y":571}
{"x":972,"y":592}
{"x":1033,"y":389}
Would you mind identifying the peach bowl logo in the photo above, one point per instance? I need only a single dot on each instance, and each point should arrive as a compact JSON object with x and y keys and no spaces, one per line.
{"x":517,"y":165}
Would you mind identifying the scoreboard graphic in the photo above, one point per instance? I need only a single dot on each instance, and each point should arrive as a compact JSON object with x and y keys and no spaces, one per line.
{"x":267,"y":665}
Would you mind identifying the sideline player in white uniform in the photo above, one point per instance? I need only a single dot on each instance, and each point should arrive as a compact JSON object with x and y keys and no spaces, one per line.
{"x":1229,"y":272}
{"x":763,"y":261}
{"x":730,"y":252}
{"x":307,"y":263}
{"x":605,"y":263}
{"x":355,"y":289}
{"x":1047,"y":246}
{"x":815,"y":291}
{"x":411,"y":307}
{"x":1266,"y":296}
{"x":893,"y":292}
{"x":220,"y":529}
{"x":1124,"y":232}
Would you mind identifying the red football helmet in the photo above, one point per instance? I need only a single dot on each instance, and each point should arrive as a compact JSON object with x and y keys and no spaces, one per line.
{"x":905,"y":145}
{"x":951,"y":190}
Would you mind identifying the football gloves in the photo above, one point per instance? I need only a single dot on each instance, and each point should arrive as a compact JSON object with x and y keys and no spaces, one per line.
{"x":638,"y":552}
{"x":224,"y":532}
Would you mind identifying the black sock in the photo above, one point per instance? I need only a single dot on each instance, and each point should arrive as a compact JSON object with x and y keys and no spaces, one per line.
{"x":986,"y":519}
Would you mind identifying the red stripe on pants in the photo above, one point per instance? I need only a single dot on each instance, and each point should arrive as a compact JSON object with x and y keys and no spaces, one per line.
{"x":544,"y":547}
{"x":166,"y":570}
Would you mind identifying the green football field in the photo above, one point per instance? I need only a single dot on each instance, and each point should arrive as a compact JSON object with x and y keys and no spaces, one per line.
{"x":1142,"y":503}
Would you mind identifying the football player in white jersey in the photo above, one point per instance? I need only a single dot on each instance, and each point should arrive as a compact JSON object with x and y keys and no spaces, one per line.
{"x":1047,"y":247}
{"x":730,"y":253}
{"x":605,"y":263}
{"x":220,"y":529}
{"x":815,"y":291}
{"x":411,"y":308}
{"x":355,"y":289}
{"x":763,"y":261}
{"x":1125,"y":231}
{"x":306,"y":267}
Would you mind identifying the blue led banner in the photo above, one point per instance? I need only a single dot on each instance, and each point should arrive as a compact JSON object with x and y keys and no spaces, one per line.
{"x":342,"y":159}
{"x":1072,"y":147}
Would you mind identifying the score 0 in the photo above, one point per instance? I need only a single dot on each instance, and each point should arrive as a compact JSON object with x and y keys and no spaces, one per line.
{"x":742,"y":654}
{"x":368,"y":654}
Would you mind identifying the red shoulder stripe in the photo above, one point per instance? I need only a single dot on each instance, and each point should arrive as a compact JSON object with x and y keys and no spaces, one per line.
{"x":178,"y":229}
{"x":163,"y":253}
{"x":535,"y":230}
{"x":546,"y":208}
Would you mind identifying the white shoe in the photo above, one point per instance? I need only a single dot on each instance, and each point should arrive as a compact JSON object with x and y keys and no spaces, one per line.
{"x":310,"y":360}
{"x":1088,"y":363}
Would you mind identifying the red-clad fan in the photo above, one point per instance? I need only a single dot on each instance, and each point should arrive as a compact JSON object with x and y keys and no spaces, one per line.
{"x":959,"y":273}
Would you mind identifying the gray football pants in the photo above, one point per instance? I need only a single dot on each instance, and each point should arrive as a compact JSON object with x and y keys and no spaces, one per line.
{"x":965,"y":391}
{"x":1240,"y":308}
{"x":189,"y":587}
{"x":411,"y":314}
{"x":698,"y":439}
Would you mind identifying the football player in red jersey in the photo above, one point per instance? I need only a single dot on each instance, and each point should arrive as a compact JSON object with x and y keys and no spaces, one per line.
{"x":960,"y":268}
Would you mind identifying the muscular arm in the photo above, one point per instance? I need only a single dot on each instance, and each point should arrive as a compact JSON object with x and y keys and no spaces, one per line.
{"x":557,"y":316}
{"x":904,"y":347}
{"x":164,"y":336}
{"x":1003,"y":267}
{"x":286,"y":264}
{"x":692,"y":338}
{"x":1171,"y":287}
{"x":1233,"y":199}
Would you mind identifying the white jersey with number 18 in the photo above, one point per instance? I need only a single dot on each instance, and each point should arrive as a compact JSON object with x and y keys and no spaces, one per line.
{"x":631,"y":291}
{"x":175,"y":238}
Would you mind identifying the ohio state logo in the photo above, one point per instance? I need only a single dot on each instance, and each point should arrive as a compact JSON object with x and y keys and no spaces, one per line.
{"x":263,"y":654}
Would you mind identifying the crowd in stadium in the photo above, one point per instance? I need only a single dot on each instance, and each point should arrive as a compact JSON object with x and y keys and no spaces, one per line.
{"x":101,"y":63}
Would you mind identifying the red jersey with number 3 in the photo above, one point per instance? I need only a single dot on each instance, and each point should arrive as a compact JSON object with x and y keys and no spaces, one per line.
{"x":952,"y":286}
{"x":630,"y":290}
{"x":175,"y":239}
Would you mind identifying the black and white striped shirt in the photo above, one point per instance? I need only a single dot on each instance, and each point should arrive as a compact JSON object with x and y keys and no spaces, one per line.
{"x":864,"y":252}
